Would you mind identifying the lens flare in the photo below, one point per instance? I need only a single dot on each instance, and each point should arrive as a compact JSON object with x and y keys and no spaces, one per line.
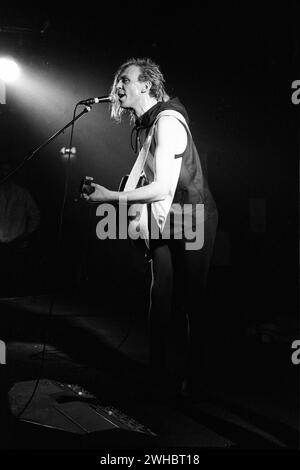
{"x":9,"y":70}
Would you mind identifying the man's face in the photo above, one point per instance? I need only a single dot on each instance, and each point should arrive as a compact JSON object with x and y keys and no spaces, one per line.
{"x":129,"y":88}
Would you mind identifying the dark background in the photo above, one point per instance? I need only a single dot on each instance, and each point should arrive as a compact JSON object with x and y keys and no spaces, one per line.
{"x":232,"y":67}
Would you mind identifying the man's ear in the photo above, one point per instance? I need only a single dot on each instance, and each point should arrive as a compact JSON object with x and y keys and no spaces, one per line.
{"x":146,"y":87}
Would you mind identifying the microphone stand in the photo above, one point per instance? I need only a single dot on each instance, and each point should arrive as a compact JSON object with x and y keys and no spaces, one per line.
{"x":33,"y":152}
{"x":28,"y":157}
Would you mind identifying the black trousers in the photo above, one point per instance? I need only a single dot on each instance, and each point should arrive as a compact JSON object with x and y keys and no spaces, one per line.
{"x":179,"y":279}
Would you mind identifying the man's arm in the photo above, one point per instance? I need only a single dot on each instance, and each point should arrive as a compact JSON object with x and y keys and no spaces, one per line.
{"x":171,"y":140}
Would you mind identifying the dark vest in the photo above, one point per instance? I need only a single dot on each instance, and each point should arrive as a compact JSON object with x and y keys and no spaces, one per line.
{"x":192,"y":187}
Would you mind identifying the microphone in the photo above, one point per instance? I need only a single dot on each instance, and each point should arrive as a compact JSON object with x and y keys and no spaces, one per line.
{"x":98,"y":99}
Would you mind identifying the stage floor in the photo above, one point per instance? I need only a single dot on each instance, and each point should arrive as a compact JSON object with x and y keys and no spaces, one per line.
{"x":247,"y":400}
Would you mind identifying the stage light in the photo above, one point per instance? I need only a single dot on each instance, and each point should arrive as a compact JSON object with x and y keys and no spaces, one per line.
{"x":9,"y":70}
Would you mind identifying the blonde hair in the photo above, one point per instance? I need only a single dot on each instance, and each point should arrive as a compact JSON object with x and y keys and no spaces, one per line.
{"x":149,"y":72}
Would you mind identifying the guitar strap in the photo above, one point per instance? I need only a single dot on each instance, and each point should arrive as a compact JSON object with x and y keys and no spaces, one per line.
{"x":139,"y":164}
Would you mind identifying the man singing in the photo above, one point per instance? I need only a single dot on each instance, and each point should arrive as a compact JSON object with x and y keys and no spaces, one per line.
{"x":179,"y":207}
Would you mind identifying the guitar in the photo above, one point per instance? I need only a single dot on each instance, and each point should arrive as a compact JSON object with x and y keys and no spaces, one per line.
{"x":142,"y":182}
{"x":86,"y":188}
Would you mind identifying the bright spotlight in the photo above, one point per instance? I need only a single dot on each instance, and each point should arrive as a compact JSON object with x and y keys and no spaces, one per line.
{"x":9,"y":70}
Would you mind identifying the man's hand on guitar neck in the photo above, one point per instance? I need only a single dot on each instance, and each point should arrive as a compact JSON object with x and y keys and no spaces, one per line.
{"x":100,"y":194}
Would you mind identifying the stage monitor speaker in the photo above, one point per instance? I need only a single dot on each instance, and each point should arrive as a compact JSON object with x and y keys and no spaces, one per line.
{"x":67,"y":415}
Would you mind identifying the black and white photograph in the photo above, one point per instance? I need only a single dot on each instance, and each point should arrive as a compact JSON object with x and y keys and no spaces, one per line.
{"x":149,"y":231}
